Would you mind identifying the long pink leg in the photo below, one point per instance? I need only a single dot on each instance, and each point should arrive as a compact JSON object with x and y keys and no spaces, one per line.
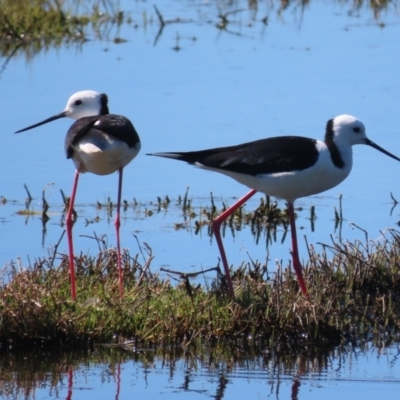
{"x":70,"y":382}
{"x":295,"y":251}
{"x":117,"y":224}
{"x":217,"y":233}
{"x":69,"y":223}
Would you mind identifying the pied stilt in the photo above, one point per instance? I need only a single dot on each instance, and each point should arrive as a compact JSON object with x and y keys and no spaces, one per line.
{"x":100,"y":143}
{"x":286,"y":167}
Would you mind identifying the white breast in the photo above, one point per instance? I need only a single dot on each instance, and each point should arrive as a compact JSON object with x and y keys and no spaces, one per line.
{"x":102,"y":154}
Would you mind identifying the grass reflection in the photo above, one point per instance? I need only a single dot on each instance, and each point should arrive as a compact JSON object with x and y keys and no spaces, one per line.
{"x":27,"y":27}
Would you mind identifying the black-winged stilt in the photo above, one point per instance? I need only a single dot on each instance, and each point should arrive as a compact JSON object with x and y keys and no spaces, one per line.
{"x":287,"y":167}
{"x":100,"y":143}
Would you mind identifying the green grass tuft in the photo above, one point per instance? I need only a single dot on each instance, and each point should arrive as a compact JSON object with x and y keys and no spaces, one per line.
{"x":353,"y":298}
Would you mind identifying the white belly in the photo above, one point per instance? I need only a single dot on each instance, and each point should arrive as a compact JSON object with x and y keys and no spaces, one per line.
{"x":293,"y":185}
{"x":102,"y":154}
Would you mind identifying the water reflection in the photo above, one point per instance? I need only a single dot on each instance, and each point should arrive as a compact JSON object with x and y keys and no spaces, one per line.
{"x":104,"y":20}
{"x":30,"y":28}
{"x":220,"y":373}
{"x":267,"y":221}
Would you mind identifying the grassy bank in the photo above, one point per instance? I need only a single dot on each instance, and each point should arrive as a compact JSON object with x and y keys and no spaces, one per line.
{"x":353,"y":297}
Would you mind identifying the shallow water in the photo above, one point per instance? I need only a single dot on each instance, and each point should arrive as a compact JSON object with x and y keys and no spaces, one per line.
{"x":111,"y":373}
{"x":222,"y":87}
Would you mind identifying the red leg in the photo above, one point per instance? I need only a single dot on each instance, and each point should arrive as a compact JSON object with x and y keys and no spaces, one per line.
{"x":70,"y":382}
{"x":118,"y":379}
{"x":117,"y":224}
{"x":69,"y":223}
{"x":295,"y":251}
{"x":217,"y":233}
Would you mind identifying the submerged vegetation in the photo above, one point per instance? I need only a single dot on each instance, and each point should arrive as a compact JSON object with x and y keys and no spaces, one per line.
{"x":354,"y":294}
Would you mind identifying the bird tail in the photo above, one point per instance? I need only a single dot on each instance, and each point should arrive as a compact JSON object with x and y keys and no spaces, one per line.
{"x":176,"y":156}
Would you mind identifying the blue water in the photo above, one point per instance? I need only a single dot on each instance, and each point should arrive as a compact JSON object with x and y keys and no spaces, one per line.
{"x":348,"y":374}
{"x":220,"y":88}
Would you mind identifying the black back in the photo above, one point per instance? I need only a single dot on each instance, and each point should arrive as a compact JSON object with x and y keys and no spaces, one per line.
{"x":265,"y":156}
{"x":114,"y":125}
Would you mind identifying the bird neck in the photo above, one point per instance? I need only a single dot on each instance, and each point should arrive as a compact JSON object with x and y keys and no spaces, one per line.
{"x":104,"y":104}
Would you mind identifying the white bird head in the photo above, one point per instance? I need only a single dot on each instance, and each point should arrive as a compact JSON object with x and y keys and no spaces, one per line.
{"x":81,"y":104}
{"x":85,"y":104}
{"x":346,"y":130}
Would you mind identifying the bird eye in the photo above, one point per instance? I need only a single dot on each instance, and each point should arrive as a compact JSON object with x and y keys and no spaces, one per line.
{"x":356,"y":129}
{"x":78,"y":102}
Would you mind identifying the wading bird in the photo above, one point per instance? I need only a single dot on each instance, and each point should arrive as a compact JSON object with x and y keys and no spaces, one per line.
{"x":100,"y":143}
{"x":286,"y":167}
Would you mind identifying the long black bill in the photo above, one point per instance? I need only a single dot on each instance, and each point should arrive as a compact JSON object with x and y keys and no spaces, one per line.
{"x":53,"y":118}
{"x":375,"y":146}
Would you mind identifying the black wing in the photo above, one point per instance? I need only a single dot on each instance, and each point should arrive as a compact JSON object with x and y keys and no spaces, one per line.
{"x":266,"y":156}
{"x":114,"y":125}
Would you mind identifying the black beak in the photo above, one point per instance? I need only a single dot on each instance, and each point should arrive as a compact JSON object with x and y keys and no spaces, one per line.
{"x":375,"y":146}
{"x":53,"y":118}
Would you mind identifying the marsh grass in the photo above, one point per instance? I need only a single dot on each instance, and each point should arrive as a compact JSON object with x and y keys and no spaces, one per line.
{"x":30,"y":26}
{"x":50,"y":19}
{"x":353,"y":298}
